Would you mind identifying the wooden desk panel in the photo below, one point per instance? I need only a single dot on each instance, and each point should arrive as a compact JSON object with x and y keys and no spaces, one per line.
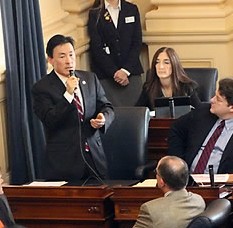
{"x":84,"y":207}
{"x":157,"y":138}
{"x":61,"y":206}
{"x":127,"y":200}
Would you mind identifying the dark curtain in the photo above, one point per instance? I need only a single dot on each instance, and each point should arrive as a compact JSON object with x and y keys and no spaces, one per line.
{"x":25,"y":63}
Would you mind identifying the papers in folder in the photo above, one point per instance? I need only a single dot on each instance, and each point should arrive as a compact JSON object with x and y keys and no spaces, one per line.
{"x":205,"y":178}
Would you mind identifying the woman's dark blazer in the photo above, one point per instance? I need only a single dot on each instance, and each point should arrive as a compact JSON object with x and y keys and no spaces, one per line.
{"x":124,"y":42}
{"x":187,"y":89}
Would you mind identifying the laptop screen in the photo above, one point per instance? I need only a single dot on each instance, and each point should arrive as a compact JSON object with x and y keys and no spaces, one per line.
{"x":178,"y":101}
{"x":172,"y":107}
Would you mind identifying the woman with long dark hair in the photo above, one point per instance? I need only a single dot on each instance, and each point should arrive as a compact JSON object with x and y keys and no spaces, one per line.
{"x":167,"y":78}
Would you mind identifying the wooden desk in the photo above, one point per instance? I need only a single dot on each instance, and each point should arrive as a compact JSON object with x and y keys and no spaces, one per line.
{"x":89,"y":207}
{"x":85,"y":207}
{"x":157,"y":138}
{"x":127,"y":201}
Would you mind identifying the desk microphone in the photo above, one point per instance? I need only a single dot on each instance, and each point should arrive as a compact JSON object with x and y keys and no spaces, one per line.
{"x":211,"y":173}
{"x":172,"y":107}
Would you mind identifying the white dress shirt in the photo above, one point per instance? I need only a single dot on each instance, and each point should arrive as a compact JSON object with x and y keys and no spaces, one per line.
{"x":67,"y":95}
{"x":219,"y":146}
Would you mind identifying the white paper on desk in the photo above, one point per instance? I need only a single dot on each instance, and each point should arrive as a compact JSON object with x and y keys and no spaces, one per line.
{"x":147,"y":183}
{"x":46,"y":184}
{"x":152,"y":113}
{"x":205,"y":178}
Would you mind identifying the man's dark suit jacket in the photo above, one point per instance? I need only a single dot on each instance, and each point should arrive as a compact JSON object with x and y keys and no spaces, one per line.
{"x":63,"y":127}
{"x":189,"y":132}
{"x":124,"y":42}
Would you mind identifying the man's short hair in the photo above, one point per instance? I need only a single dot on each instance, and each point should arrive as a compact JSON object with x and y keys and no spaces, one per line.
{"x":226,"y":89}
{"x":174,"y":172}
{"x":57,"y":40}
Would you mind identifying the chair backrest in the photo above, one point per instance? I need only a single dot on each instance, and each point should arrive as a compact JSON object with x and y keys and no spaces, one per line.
{"x":125,"y":142}
{"x":215,"y":215}
{"x":206,"y":78}
{"x":6,"y":216}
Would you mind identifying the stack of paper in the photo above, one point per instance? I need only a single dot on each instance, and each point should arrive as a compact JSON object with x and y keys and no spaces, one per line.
{"x":48,"y":184}
{"x":205,"y":178}
{"x":147,"y":183}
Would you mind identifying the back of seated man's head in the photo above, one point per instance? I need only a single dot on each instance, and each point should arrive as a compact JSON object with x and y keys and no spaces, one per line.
{"x":172,"y":173}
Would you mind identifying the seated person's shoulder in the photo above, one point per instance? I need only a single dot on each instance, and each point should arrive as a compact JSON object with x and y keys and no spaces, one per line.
{"x":198,"y":198}
{"x":204,"y":107}
{"x":158,"y":202}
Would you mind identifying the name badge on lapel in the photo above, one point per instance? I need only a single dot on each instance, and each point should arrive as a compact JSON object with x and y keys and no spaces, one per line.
{"x":107,"y":50}
{"x":129,"y":19}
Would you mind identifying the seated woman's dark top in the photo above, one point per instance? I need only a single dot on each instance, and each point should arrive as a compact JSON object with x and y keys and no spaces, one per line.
{"x":186,"y":89}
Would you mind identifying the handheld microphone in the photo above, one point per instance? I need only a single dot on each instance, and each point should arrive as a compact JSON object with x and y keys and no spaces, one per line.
{"x":211,"y":173}
{"x":71,"y":73}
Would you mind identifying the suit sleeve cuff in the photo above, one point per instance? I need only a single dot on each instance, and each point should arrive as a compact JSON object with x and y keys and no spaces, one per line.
{"x":68,"y":97}
{"x":127,"y":72}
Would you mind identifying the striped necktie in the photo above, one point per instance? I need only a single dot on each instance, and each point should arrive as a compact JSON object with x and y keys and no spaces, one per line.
{"x":79,"y":107}
{"x":81,"y":115}
{"x":204,"y":158}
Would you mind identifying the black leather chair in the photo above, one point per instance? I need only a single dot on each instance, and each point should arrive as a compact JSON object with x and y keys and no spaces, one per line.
{"x":6,"y":216}
{"x":216,"y":215}
{"x":125,"y":142}
{"x":206,"y":78}
{"x":5,"y":212}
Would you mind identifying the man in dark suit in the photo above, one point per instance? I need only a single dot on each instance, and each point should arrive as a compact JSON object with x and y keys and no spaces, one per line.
{"x":115,"y":44}
{"x":190,"y":134}
{"x":74,"y":150}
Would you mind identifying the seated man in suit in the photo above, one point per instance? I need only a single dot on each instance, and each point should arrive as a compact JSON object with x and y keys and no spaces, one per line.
{"x":203,"y":137}
{"x":178,"y":206}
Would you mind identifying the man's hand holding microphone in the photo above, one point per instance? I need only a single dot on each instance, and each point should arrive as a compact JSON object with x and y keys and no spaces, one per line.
{"x":72,"y":83}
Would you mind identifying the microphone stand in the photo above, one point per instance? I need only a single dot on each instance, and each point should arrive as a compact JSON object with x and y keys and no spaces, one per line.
{"x":95,"y":176}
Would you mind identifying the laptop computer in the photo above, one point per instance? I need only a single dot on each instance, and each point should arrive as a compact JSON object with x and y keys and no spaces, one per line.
{"x":172,"y":107}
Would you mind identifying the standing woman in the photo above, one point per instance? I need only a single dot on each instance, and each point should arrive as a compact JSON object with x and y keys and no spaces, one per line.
{"x":115,"y":44}
{"x":167,"y":78}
